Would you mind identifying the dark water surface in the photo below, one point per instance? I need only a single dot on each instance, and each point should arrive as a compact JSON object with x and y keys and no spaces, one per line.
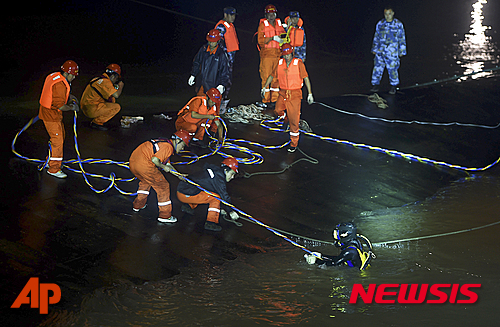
{"x":120,"y":269}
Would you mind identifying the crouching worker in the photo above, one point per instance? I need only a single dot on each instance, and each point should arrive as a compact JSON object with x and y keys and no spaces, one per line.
{"x":351,"y":254}
{"x":145,"y":162}
{"x":99,"y":98}
{"x":193,"y":116}
{"x":213,"y":179}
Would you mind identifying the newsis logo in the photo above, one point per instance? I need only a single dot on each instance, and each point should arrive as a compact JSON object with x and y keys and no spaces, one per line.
{"x":414,"y":293}
{"x":37,"y":294}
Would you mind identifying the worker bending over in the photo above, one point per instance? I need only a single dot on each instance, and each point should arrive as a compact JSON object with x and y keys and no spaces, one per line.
{"x":145,"y":162}
{"x":213,"y":179}
{"x":199,"y":112}
{"x":99,"y":97}
{"x":55,"y":99}
{"x":291,"y":73}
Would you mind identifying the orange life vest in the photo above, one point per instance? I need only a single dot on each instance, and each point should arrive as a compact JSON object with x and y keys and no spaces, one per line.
{"x":185,"y":112}
{"x":46,"y":97}
{"x":296,"y":34}
{"x":230,"y":37}
{"x":289,"y":77}
{"x":270,"y":31}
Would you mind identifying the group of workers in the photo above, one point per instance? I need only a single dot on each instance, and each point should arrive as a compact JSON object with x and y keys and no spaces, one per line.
{"x":282,"y":55}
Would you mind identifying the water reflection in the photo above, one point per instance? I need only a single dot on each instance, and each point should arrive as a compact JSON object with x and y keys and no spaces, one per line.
{"x":476,"y":49}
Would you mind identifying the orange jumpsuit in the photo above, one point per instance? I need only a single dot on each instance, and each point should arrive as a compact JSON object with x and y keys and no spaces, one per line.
{"x":270,"y":54}
{"x":55,"y":94}
{"x":97,"y":100}
{"x":192,"y":125}
{"x":290,"y":95}
{"x":150,"y":176}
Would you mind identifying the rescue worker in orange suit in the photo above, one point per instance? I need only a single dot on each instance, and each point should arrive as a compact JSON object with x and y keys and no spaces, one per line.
{"x":193,"y":116}
{"x":212,"y":178}
{"x":99,"y":98}
{"x":211,"y":63}
{"x":295,"y":30}
{"x":291,"y":73}
{"x":55,"y":99}
{"x":268,"y":38}
{"x":145,"y":162}
{"x":231,"y":43}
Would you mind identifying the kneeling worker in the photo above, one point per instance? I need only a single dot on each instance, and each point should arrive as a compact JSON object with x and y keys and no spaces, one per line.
{"x":145,"y":162}
{"x":351,"y":249}
{"x":213,"y":179}
{"x":193,"y":116}
{"x":99,"y":98}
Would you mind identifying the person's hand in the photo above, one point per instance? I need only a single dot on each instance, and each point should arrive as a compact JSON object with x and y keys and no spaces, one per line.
{"x":310,"y":98}
{"x":182,"y":177}
{"x":75,"y":107}
{"x":220,"y":88}
{"x":311,"y":258}
{"x":277,"y":38}
{"x":166,"y":168}
{"x":263,"y":93}
{"x":234,"y":215}
{"x":191,"y":80}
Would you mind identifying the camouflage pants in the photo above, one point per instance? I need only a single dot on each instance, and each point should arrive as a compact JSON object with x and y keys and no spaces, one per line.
{"x":391,"y":63}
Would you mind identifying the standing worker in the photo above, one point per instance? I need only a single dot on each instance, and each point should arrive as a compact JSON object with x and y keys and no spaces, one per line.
{"x":211,"y":63}
{"x":193,"y":116}
{"x":145,"y":162}
{"x":291,"y":73}
{"x":230,"y":39}
{"x":213,"y":179}
{"x":99,"y":98}
{"x":296,"y":34}
{"x":55,"y":99}
{"x":389,"y":44}
{"x":268,"y":38}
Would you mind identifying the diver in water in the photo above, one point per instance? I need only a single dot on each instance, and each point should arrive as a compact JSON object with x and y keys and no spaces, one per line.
{"x":351,"y":254}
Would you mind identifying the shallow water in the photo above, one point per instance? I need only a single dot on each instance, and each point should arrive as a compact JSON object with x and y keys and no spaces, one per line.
{"x":273,"y":285}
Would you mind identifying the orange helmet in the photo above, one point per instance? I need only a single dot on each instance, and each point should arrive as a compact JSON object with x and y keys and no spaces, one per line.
{"x":70,"y":67}
{"x":183,"y":135}
{"x":270,"y":9}
{"x":114,"y":68}
{"x":213,"y":35}
{"x":231,"y":162}
{"x":214,"y":95}
{"x":286,"y":49}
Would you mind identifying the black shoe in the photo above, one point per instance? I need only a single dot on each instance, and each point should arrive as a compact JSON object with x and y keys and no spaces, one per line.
{"x":271,"y":105}
{"x":392,"y":90}
{"x":212,"y":226}
{"x":186,"y":208}
{"x":292,"y":149}
{"x":374,"y":88}
{"x":98,"y":127}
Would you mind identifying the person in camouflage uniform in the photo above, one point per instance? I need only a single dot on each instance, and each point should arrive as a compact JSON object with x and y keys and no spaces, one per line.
{"x":389,"y":44}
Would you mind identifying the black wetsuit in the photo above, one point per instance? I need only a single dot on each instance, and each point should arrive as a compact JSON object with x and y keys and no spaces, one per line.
{"x":349,"y":256}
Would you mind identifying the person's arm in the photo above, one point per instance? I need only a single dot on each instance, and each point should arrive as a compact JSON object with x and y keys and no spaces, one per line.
{"x":117,"y":94}
{"x":196,"y":115}
{"x":168,"y":168}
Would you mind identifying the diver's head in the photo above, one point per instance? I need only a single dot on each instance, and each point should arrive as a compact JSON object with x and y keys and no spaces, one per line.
{"x":343,"y":233}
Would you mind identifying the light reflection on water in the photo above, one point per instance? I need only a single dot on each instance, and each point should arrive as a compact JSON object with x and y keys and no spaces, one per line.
{"x":476,"y":49}
{"x":278,"y":288}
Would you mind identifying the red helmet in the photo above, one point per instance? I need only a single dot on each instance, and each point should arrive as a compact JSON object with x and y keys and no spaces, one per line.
{"x":114,"y":68}
{"x":183,"y":135}
{"x":286,"y":49}
{"x":270,"y":9}
{"x":213,"y":35}
{"x":214,"y":95}
{"x":231,"y":163}
{"x":70,"y":67}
